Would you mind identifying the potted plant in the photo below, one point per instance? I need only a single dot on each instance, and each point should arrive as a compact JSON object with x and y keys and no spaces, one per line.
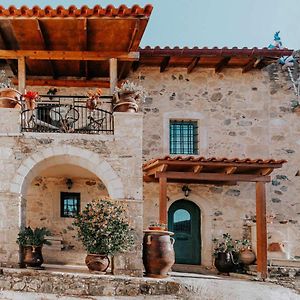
{"x":9,"y":97}
{"x":104,"y":230}
{"x":128,"y":97}
{"x":246,"y":255}
{"x":225,"y":253}
{"x":32,"y":241}
{"x":30,"y":99}
{"x":93,"y":99}
{"x":157,"y":226}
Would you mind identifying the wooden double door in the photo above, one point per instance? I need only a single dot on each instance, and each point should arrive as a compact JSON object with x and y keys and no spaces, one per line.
{"x":184,"y":219}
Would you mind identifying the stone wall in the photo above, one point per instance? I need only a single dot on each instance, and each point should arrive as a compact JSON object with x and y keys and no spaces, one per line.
{"x":113,"y":159}
{"x":239,"y":115}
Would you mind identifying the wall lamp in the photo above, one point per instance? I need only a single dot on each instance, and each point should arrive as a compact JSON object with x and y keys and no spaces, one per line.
{"x":186,"y":190}
{"x":69,"y":183}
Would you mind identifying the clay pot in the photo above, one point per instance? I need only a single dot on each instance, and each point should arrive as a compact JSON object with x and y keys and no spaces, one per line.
{"x":247,"y":257}
{"x":33,"y":256}
{"x":126,"y":102}
{"x":30,"y":103}
{"x":97,"y":262}
{"x":158,"y":253}
{"x":224,"y":262}
{"x":10,"y":98}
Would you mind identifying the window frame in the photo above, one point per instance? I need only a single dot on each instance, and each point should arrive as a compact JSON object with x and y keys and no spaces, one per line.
{"x":63,"y":197}
{"x":183,"y":139}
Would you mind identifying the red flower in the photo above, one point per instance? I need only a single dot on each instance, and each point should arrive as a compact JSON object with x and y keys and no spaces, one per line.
{"x":30,"y":95}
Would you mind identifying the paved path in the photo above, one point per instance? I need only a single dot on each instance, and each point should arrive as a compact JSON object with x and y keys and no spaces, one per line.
{"x":197,"y":286}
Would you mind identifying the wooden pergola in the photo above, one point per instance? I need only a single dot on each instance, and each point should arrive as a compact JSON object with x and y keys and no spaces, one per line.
{"x":202,"y":170}
{"x":84,"y":47}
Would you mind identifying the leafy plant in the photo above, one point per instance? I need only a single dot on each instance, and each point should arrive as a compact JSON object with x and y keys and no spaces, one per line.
{"x":5,"y":82}
{"x":103,"y":228}
{"x":243,"y":244}
{"x":225,"y":244}
{"x":35,"y":238}
{"x":139,"y":93}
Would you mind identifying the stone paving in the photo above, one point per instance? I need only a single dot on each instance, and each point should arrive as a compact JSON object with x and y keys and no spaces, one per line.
{"x":53,"y":284}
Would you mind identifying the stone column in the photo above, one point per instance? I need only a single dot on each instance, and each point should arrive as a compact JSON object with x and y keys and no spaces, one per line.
{"x":10,"y":204}
{"x":128,"y":135}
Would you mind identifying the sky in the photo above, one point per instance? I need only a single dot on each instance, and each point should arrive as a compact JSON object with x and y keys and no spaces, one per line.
{"x":208,"y":23}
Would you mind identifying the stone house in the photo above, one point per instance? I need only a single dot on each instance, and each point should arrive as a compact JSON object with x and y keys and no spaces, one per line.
{"x":223,"y":103}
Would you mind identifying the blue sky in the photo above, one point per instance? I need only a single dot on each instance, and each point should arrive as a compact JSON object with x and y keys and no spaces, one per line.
{"x":240,"y":23}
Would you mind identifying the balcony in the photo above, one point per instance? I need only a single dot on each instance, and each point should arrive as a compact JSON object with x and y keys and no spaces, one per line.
{"x":68,"y":114}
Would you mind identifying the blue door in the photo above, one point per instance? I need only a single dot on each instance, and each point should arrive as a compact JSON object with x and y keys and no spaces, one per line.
{"x":184,"y":221}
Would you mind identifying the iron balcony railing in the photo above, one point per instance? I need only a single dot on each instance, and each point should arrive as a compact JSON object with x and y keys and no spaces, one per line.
{"x":68,"y":114}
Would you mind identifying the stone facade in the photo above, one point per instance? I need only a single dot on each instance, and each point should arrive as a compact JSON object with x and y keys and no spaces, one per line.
{"x":238,"y":115}
{"x":24,"y":194}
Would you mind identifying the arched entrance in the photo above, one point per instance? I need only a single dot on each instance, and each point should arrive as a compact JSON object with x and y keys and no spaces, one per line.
{"x":184,"y":219}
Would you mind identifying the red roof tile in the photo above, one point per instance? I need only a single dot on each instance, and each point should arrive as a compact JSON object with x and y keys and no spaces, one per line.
{"x":217,"y":160}
{"x":195,"y":51}
{"x":73,"y":11}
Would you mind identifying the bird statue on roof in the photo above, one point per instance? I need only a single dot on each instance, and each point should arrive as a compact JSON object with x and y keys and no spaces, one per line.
{"x":277,"y":44}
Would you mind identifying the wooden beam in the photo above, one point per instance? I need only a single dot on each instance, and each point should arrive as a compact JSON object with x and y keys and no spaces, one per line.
{"x":66,"y":83}
{"x":222,"y":64}
{"x":21,"y":74}
{"x":197,"y":169}
{"x":113,"y":74}
{"x":135,"y":65}
{"x":163,"y":200}
{"x":230,"y":170}
{"x":69,"y":55}
{"x":134,"y":34}
{"x":249,"y":66}
{"x":261,"y":230}
{"x":193,"y":64}
{"x":265,"y":171}
{"x":213,"y":176}
{"x":164,"y":64}
{"x":84,"y":47}
{"x":45,"y":46}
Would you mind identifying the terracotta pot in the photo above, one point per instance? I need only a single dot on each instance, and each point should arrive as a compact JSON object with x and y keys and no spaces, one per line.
{"x":97,"y":262}
{"x":224,"y":262}
{"x":33,"y":256}
{"x":247,"y":256}
{"x":126,"y":107}
{"x":158,"y":253}
{"x":10,"y":98}
{"x":91,"y":104}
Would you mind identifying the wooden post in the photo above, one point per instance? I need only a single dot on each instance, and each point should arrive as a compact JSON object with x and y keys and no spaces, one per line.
{"x":113,"y":73}
{"x":261,"y":230}
{"x":21,"y":74}
{"x":163,"y":200}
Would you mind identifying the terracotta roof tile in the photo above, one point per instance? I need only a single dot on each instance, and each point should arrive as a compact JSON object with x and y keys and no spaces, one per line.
{"x":73,"y":11}
{"x":215,"y":159}
{"x":235,"y":51}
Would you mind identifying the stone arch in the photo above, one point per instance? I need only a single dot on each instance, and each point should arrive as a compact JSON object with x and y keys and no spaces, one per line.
{"x":51,"y":156}
{"x":206,"y":224}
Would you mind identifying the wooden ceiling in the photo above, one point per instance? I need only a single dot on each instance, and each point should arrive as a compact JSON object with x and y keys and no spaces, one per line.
{"x":95,"y":29}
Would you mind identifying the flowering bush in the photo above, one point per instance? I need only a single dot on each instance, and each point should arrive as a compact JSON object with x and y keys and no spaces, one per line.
{"x":103,"y":228}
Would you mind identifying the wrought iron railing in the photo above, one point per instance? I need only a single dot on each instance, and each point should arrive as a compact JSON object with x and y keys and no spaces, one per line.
{"x":68,"y":114}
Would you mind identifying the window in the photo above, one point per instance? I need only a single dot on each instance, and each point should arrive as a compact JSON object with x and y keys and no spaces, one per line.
{"x":69,"y":204}
{"x":183,"y":137}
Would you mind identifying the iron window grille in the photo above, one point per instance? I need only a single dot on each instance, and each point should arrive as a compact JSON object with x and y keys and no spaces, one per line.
{"x":183,"y":137}
{"x":69,"y":204}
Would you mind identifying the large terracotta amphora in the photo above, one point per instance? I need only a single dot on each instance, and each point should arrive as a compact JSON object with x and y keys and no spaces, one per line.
{"x":33,"y":256}
{"x":158,"y":253}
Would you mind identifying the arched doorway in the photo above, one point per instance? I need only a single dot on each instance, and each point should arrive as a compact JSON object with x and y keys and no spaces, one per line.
{"x":184,"y":220}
